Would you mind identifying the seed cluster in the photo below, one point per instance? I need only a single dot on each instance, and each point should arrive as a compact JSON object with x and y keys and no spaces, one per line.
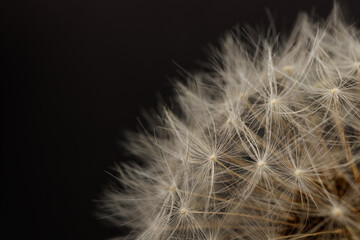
{"x":266,"y":146}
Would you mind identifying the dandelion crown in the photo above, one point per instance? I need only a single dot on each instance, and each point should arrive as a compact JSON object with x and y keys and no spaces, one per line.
{"x":266,"y":145}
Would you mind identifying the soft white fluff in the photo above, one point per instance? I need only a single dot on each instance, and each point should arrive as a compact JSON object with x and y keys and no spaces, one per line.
{"x":266,"y":146}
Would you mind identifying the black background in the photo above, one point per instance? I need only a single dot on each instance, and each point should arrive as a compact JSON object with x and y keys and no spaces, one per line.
{"x":76,"y":74}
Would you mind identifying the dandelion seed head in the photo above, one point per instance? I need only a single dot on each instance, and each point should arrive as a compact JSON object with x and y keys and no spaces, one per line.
{"x":265,"y":144}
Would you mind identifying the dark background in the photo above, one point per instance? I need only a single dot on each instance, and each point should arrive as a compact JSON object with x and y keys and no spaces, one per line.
{"x":76,"y":74}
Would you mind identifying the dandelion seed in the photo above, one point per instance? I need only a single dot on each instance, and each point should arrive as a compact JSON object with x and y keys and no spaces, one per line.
{"x":261,"y":163}
{"x":334,"y":90}
{"x":298,"y":172}
{"x":171,"y":188}
{"x":336,"y":212}
{"x":229,"y":121}
{"x":242,"y":95}
{"x":183,"y":211}
{"x":287,"y":68}
{"x":212,"y":157}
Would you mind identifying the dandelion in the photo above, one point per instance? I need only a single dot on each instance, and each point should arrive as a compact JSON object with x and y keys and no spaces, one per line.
{"x":266,"y":145}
